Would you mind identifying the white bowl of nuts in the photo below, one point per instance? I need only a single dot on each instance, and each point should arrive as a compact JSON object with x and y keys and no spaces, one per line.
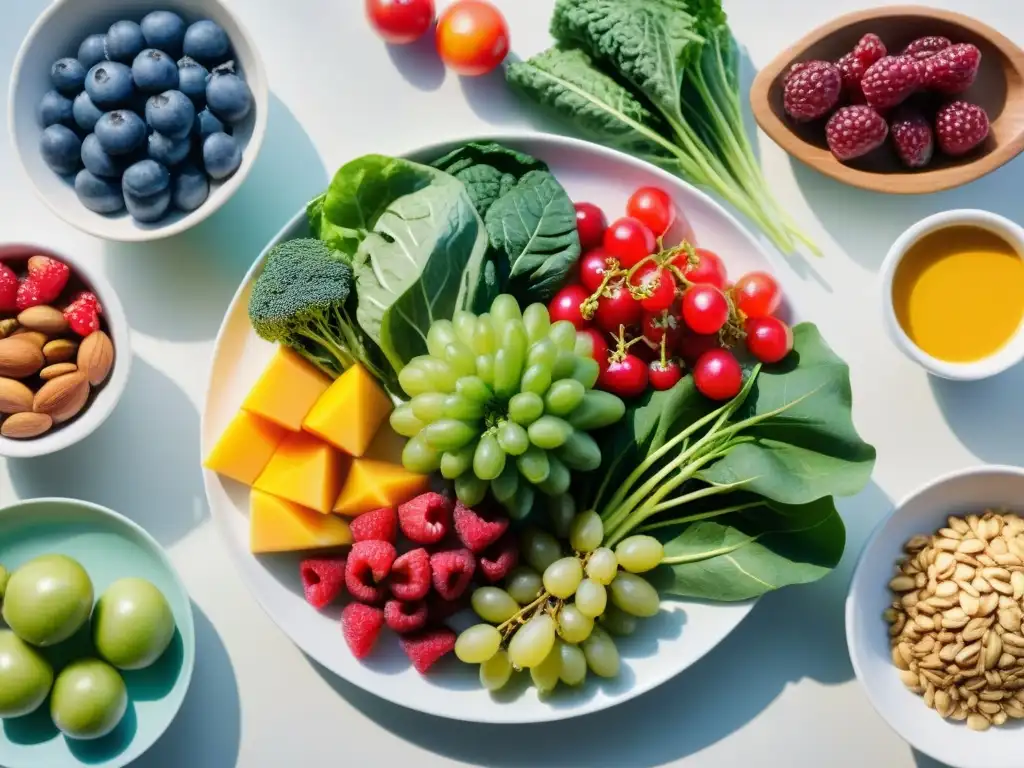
{"x":65,"y":351}
{"x":934,"y":618}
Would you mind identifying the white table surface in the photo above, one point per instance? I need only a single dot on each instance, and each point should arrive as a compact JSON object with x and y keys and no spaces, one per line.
{"x":780,"y":691}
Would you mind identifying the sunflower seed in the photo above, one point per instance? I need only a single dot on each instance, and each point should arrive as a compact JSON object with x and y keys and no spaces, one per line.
{"x":999,"y":718}
{"x":966,"y":587}
{"x":901,"y":584}
{"x":970,"y":546}
{"x":963,"y":572}
{"x":968,"y":653}
{"x":993,"y":650}
{"x":974,"y":630}
{"x":970,"y":604}
{"x":949,"y":652}
{"x":947,"y":545}
{"x":981,"y":585}
{"x":1002,"y":587}
{"x":948,"y":588}
{"x":989,"y":707}
{"x":989,"y":603}
{"x":1012,"y":708}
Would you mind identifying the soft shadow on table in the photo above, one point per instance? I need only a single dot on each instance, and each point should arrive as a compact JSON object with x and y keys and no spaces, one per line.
{"x":196,"y":273}
{"x":142,"y":462}
{"x":922,"y":760}
{"x":790,"y":635}
{"x":208,"y":730}
{"x":419,"y":63}
{"x":986,"y":416}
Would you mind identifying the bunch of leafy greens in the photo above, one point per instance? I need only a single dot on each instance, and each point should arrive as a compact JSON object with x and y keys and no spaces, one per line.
{"x":741,"y":494}
{"x":658,"y":79}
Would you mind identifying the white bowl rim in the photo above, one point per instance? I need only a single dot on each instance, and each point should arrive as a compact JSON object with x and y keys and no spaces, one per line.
{"x":438,"y":147}
{"x":261,"y":98}
{"x":1011,"y":353}
{"x":90,"y":419}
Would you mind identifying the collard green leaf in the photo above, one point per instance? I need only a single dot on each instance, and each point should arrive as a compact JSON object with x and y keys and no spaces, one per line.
{"x":483,"y":184}
{"x":534,"y":225}
{"x":504,"y":159}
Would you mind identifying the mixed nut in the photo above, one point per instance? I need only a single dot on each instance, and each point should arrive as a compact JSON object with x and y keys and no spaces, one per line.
{"x":52,"y":352}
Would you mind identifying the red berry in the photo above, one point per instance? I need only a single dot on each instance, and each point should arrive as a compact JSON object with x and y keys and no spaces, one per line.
{"x":812,"y":91}
{"x":662,"y":325}
{"x":705,"y":308}
{"x":853,"y":65}
{"x":405,"y":617}
{"x":478,"y":530}
{"x":426,"y":519}
{"x":960,"y":127}
{"x":361,"y":625}
{"x":425,"y":649}
{"x":854,"y":131}
{"x":617,"y":308}
{"x":590,"y":224}
{"x":368,"y":560}
{"x":660,"y":288}
{"x":890,"y":80}
{"x":952,"y":70}
{"x":380,"y":525}
{"x":629,"y":240}
{"x":45,"y":282}
{"x":323,"y":579}
{"x":708,"y":267}
{"x":498,"y":559}
{"x":913,"y":138}
{"x":718,"y":375}
{"x":664,"y":376}
{"x":768,"y":339}
{"x":89,"y":299}
{"x":566,"y":305}
{"x":82,"y":316}
{"x":869,"y":49}
{"x":451,"y":571}
{"x":926,"y":47}
{"x":693,"y":345}
{"x":800,"y":66}
{"x":8,"y":289}
{"x":593,"y":265}
{"x":626,"y":377}
{"x":410,"y":575}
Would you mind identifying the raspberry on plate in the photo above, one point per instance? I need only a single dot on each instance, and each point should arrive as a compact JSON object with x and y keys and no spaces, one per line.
{"x":498,"y":559}
{"x":854,"y":131}
{"x":478,"y":530}
{"x":323,"y":579}
{"x":451,"y":571}
{"x":426,"y":519}
{"x":813,"y":90}
{"x":378,"y":525}
{"x":890,"y":80}
{"x":854,"y":64}
{"x":960,"y":127}
{"x":366,"y":560}
{"x":8,"y":289}
{"x":925,"y":47}
{"x":410,"y":575}
{"x":869,"y":49}
{"x":953,"y":69}
{"x":403,"y":617}
{"x":913,"y":137}
{"x":45,"y":282}
{"x":82,"y":314}
{"x":798,"y":67}
{"x":361,"y":625}
{"x":425,"y":649}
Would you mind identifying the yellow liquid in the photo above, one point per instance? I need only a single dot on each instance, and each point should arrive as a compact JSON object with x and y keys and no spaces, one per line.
{"x":959,"y":293}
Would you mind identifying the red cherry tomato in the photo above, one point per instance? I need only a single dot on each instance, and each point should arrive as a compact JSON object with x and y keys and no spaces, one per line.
{"x":597,"y":342}
{"x":664,"y":376}
{"x":708,"y":269}
{"x":693,"y":345}
{"x":629,"y":241}
{"x":472,"y":37}
{"x":662,"y":325}
{"x":591,"y":224}
{"x":717,"y":375}
{"x":625,"y":378}
{"x":757,"y":294}
{"x":705,"y":308}
{"x":653,"y":207}
{"x":566,"y":305}
{"x":400,"y":21}
{"x":768,"y":338}
{"x":592,"y":268}
{"x":617,"y":308}
{"x":662,"y":287}
{"x":646,"y":351}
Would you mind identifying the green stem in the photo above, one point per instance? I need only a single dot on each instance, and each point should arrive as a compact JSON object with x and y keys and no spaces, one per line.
{"x":711,"y":490}
{"x":698,"y":516}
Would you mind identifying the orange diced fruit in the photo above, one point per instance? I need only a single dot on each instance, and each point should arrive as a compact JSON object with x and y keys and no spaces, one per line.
{"x":372,"y":484}
{"x":279,"y":525}
{"x":287,"y":390}
{"x":245,"y":447}
{"x":387,"y":445}
{"x":349,"y":414}
{"x":305,"y":470}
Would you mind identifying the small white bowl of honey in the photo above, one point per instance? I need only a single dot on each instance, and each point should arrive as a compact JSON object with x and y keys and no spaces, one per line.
{"x":953,"y":294}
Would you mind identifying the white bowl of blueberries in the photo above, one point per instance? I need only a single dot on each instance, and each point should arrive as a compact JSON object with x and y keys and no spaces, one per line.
{"x":137,"y":119}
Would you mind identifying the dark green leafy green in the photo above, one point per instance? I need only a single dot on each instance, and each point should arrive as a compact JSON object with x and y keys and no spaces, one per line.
{"x":498,"y":156}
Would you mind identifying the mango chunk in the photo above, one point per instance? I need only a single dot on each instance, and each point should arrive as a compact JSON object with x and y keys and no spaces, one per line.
{"x":387,"y":445}
{"x":372,"y":484}
{"x":287,"y":390}
{"x":279,"y":525}
{"x":305,"y":470}
{"x":349,"y":414}
{"x":245,"y":448}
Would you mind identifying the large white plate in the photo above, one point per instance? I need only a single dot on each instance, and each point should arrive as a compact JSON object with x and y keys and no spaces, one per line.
{"x":663,"y":646}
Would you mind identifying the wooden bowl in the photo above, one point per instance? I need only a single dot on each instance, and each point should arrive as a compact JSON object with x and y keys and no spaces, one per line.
{"x":999,"y":88}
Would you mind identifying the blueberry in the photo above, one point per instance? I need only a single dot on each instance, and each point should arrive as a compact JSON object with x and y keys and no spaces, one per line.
{"x":164,"y":30}
{"x":192,"y":80}
{"x":120,"y":132}
{"x":99,"y":195}
{"x":86,"y":113}
{"x":100,"y":162}
{"x":149,"y":209}
{"x":208,"y":123}
{"x":189,"y":188}
{"x":92,"y":51}
{"x":55,"y":108}
{"x":171,"y":113}
{"x":154,"y":71}
{"x":221,"y":155}
{"x":109,"y":85}
{"x":207,"y":42}
{"x":167,"y":151}
{"x":61,"y":149}
{"x":228,"y":97}
{"x":145,"y":178}
{"x":68,"y":76}
{"x":124,"y":41}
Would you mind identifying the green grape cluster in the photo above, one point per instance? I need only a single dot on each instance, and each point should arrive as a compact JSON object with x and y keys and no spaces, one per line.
{"x":504,"y":401}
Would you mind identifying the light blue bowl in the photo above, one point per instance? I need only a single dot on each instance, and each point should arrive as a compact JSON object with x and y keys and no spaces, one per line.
{"x":110,"y":547}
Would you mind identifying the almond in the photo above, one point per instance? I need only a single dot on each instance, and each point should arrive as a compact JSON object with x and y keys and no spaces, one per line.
{"x":19,"y":358}
{"x":36,"y":337}
{"x":63,"y":397}
{"x":57,"y":369}
{"x":15,"y":397}
{"x":7,"y":327}
{"x":60,"y":351}
{"x":22,"y":426}
{"x":43,"y":318}
{"x":96,"y":357}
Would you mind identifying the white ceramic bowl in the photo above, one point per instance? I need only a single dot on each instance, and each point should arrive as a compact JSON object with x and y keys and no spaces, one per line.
{"x":1009,"y":354}
{"x":101,"y":402}
{"x":58,"y":32}
{"x":923,"y":512}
